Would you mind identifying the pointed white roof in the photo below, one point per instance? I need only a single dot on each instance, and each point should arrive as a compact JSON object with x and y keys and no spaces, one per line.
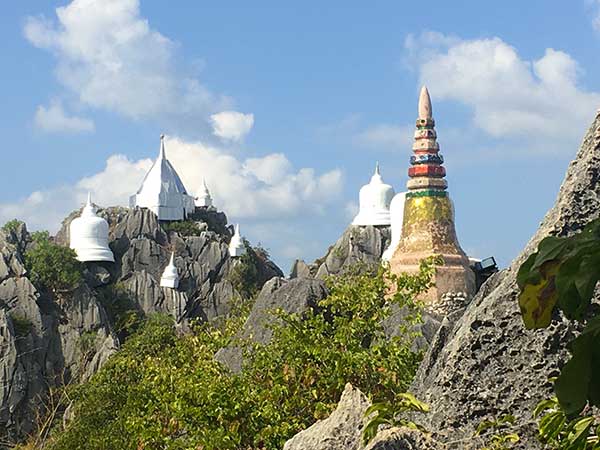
{"x":236,"y":245}
{"x":162,"y":191}
{"x":170,"y":277}
{"x":204,"y":199}
{"x":374,"y":202}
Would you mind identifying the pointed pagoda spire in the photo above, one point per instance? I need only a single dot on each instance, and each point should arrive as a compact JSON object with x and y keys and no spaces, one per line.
{"x":204,"y":199}
{"x":377,"y":168}
{"x":88,"y":209}
{"x":161,"y":153}
{"x":425,"y":111}
{"x":236,"y":246}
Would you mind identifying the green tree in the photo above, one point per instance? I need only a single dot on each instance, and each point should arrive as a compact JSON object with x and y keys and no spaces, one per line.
{"x":52,"y":266}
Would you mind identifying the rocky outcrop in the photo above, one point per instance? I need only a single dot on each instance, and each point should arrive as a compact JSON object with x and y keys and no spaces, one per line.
{"x":46,"y":341}
{"x":342,"y":430}
{"x":357,"y":245}
{"x":485,"y":363}
{"x":403,"y":438}
{"x":291,"y":296}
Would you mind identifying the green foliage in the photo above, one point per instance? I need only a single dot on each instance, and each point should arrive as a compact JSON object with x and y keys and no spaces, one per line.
{"x":21,"y":324}
{"x":244,"y":274}
{"x":52,"y":266}
{"x":122,"y":311}
{"x":562,"y":432}
{"x":562,"y":275}
{"x":12,"y":225}
{"x":40,"y":236}
{"x":184,"y":228}
{"x":86,"y":342}
{"x":390,"y":413}
{"x":497,"y":433}
{"x":167,"y":391}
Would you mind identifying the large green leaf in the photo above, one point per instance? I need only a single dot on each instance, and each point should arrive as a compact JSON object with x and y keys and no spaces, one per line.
{"x":572,"y":385}
{"x":537,"y":300}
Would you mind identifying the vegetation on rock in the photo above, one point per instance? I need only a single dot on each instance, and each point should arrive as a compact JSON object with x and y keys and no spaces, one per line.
{"x":244,"y":275}
{"x":12,"y":225}
{"x":52,"y":266}
{"x":184,"y":228}
{"x":167,"y":391}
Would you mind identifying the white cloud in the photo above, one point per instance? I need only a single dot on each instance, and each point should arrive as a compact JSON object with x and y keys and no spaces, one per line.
{"x":231,"y":125}
{"x":256,"y":189}
{"x":594,"y":7}
{"x":509,"y":96}
{"x":53,"y":119}
{"x":109,"y":58}
{"x":386,"y":137}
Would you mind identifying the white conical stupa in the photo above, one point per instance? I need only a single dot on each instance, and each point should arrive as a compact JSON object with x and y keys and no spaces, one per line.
{"x":170,"y":277}
{"x":204,"y":200}
{"x":236,"y":246}
{"x":397,"y":218}
{"x":374,"y":202}
{"x":162,"y":191}
{"x":89,"y":235}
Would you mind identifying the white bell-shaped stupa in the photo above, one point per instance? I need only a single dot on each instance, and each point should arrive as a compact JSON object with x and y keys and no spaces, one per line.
{"x":397,"y":219}
{"x":236,"y":246}
{"x":170,"y":277}
{"x":162,"y":190}
{"x":89,"y":235}
{"x":374,"y":202}
{"x":204,"y":200}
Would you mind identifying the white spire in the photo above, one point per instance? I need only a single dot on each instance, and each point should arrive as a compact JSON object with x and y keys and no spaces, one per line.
{"x":204,"y":199}
{"x":162,"y":191}
{"x":374,"y":202}
{"x":397,"y":220}
{"x":236,"y":246}
{"x":170,"y":277}
{"x":88,"y":235}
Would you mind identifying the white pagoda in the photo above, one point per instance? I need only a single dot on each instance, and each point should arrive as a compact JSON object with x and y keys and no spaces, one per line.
{"x":162,"y":191}
{"x":236,"y":245}
{"x":170,"y":277}
{"x":374,"y":202}
{"x":88,"y":235}
{"x":204,"y":199}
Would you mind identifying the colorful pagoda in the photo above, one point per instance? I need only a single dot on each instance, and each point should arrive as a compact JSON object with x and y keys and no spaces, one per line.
{"x":428,"y":223}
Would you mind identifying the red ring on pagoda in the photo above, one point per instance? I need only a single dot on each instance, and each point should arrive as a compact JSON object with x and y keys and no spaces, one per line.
{"x":426,"y":170}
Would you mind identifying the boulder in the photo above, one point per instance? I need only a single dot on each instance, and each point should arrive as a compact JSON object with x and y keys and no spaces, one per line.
{"x":342,"y":430}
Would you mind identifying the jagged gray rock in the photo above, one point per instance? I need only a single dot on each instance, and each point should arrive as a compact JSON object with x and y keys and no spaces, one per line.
{"x":356,"y":245}
{"x":486,"y":364}
{"x":342,"y":430}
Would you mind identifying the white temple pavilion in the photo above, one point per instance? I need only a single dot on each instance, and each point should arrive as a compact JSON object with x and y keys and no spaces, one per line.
{"x":162,"y":191}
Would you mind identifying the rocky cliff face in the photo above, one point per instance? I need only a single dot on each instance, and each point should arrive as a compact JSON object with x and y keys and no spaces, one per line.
{"x":45,"y":342}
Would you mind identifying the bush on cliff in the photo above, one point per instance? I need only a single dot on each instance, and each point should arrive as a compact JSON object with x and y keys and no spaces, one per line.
{"x":165,"y":391}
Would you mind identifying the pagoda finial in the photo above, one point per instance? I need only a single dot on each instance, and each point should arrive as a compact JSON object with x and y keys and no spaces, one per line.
{"x":377,"y":168}
{"x":172,"y":259}
{"x":161,"y":154}
{"x":425,"y":111}
{"x":89,"y":199}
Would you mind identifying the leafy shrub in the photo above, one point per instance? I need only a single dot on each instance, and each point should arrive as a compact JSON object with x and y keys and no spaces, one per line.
{"x":184,"y":228}
{"x":21,"y":324}
{"x":122,"y":312}
{"x":244,"y":275}
{"x":12,"y":225}
{"x":165,"y":391}
{"x":52,"y":266}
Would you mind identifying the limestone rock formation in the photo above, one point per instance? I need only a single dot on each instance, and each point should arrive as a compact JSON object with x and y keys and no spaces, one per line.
{"x":487,"y":364}
{"x":357,"y":244}
{"x":403,"y":438}
{"x":45,"y":342}
{"x":342,"y":430}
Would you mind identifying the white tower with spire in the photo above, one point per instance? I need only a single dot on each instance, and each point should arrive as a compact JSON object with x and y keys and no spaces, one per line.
{"x":170,"y":277}
{"x":88,"y":235}
{"x":162,"y":191}
{"x":204,"y":200}
{"x":236,"y":246}
{"x":374,"y":202}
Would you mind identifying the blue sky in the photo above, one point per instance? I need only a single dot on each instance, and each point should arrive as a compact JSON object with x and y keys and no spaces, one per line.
{"x":313,"y":94}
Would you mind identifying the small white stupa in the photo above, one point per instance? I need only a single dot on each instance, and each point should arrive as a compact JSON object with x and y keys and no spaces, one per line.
{"x":374,"y":202}
{"x":162,"y":191}
{"x":236,"y":246}
{"x":397,"y":218}
{"x":204,"y":200}
{"x":89,"y":235}
{"x":170,"y":277}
